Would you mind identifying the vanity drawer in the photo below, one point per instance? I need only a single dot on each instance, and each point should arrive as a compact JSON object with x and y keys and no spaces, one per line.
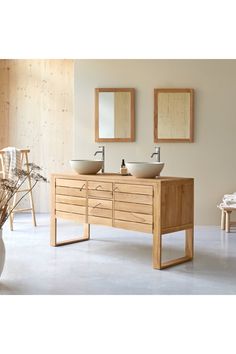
{"x":71,"y":216}
{"x":133,"y":188}
{"x":133,"y":198}
{"x":99,"y":220}
{"x":100,"y":203}
{"x":74,"y":192}
{"x":67,"y":199}
{"x":72,"y":183}
{"x":134,"y":207}
{"x":100,"y":186}
{"x":69,"y":208}
{"x":105,"y":213}
{"x":127,"y":225}
{"x":99,"y":194}
{"x":135,"y":217}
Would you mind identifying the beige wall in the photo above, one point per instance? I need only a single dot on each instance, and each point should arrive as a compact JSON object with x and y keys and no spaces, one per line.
{"x":210,"y":159}
{"x":41,"y":114}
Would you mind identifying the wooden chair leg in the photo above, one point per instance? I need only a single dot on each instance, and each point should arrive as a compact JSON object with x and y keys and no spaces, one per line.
{"x":222,"y":224}
{"x":227,"y":223}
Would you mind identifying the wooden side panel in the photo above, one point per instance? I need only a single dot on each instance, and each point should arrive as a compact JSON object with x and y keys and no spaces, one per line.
{"x":176,"y":205}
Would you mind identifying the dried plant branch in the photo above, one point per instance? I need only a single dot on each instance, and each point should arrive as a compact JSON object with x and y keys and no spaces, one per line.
{"x":9,"y":188}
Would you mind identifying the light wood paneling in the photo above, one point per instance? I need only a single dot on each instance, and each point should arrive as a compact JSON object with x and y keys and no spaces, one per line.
{"x":4,"y":103}
{"x":70,"y":216}
{"x":41,"y":111}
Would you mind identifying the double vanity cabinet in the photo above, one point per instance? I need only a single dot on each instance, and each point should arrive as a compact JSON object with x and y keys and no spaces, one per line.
{"x":157,"y":206}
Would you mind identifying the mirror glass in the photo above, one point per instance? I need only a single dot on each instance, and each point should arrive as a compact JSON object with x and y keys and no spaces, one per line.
{"x":173,"y":115}
{"x":114,"y":119}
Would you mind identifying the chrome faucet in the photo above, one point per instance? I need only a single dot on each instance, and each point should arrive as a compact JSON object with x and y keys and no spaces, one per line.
{"x":102,"y":151}
{"x":157,"y":153}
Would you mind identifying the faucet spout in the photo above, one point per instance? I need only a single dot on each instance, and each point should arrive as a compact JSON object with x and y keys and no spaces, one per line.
{"x":157,"y":153}
{"x":101,"y":151}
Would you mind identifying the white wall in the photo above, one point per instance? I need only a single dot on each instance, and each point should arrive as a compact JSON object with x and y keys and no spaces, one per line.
{"x":210,"y":159}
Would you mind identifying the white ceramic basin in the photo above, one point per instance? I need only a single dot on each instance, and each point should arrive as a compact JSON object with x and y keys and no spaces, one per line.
{"x":86,"y":167}
{"x":145,"y":169}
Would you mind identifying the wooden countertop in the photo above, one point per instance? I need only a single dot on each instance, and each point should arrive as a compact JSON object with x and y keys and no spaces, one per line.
{"x":116,"y":177}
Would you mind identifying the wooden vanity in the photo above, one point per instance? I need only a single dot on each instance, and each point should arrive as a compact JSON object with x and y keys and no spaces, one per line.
{"x":156,"y":206}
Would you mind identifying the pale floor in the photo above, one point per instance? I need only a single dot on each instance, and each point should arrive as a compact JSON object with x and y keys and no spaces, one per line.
{"x":113,"y":262}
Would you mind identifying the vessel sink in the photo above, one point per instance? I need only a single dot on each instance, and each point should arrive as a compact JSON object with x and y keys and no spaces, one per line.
{"x":86,"y":167}
{"x":145,"y":169}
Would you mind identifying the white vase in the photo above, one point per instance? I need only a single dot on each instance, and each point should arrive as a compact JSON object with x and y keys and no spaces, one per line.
{"x":2,"y":253}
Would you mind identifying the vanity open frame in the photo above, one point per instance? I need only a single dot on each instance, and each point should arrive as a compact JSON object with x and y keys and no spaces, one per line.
{"x":156,"y":206}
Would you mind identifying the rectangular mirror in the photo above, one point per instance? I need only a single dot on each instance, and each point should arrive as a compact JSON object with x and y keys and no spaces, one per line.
{"x":114,"y":114}
{"x":173,"y":115}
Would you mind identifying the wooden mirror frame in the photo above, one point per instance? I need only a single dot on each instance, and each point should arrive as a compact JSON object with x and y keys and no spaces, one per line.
{"x":191,"y":130}
{"x":132,"y":115}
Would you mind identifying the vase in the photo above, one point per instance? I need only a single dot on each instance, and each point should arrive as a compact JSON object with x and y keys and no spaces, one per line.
{"x":2,"y":253}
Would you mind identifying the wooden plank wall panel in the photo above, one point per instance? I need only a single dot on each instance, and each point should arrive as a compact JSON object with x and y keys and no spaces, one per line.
{"x":4,"y":103}
{"x":41,"y":115}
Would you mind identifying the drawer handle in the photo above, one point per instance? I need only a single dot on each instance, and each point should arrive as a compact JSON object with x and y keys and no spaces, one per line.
{"x":82,"y":187}
{"x":99,"y":186}
{"x":95,"y":206}
{"x":138,"y":217}
{"x":115,"y":189}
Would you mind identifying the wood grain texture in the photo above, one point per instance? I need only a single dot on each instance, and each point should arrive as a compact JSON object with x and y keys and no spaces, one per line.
{"x":100,"y":203}
{"x":181,"y":136}
{"x":133,"y":207}
{"x":131,"y":216}
{"x":130,"y":188}
{"x":4,"y":103}
{"x":74,"y":192}
{"x":71,"y":208}
{"x":133,"y":198}
{"x":104,"y":213}
{"x":70,"y":200}
{"x":127,"y":225}
{"x":41,"y":112}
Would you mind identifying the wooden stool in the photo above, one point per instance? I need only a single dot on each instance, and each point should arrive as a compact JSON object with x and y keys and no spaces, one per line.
{"x":225,"y":218}
{"x":24,"y":160}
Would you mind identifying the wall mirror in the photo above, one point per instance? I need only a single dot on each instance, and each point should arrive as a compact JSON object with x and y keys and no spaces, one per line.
{"x":114,"y":114}
{"x":173,"y":115}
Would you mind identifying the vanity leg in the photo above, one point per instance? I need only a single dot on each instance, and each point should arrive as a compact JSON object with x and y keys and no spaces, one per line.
{"x":53,"y":231}
{"x":189,"y":243}
{"x":156,"y":250}
{"x":227,"y":223}
{"x":55,"y":243}
{"x":222,"y":224}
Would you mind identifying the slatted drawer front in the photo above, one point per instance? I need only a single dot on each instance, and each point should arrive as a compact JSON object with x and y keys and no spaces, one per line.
{"x":70,"y":200}
{"x":99,"y":220}
{"x":135,"y":217}
{"x":99,"y":194}
{"x":133,"y":226}
{"x":100,"y":186}
{"x":69,"y":208}
{"x":106,"y":213}
{"x":72,"y":183}
{"x":133,"y":207}
{"x":71,"y":216}
{"x":132,"y":188}
{"x":67,"y":191}
{"x":133,"y":198}
{"x":100,"y":203}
